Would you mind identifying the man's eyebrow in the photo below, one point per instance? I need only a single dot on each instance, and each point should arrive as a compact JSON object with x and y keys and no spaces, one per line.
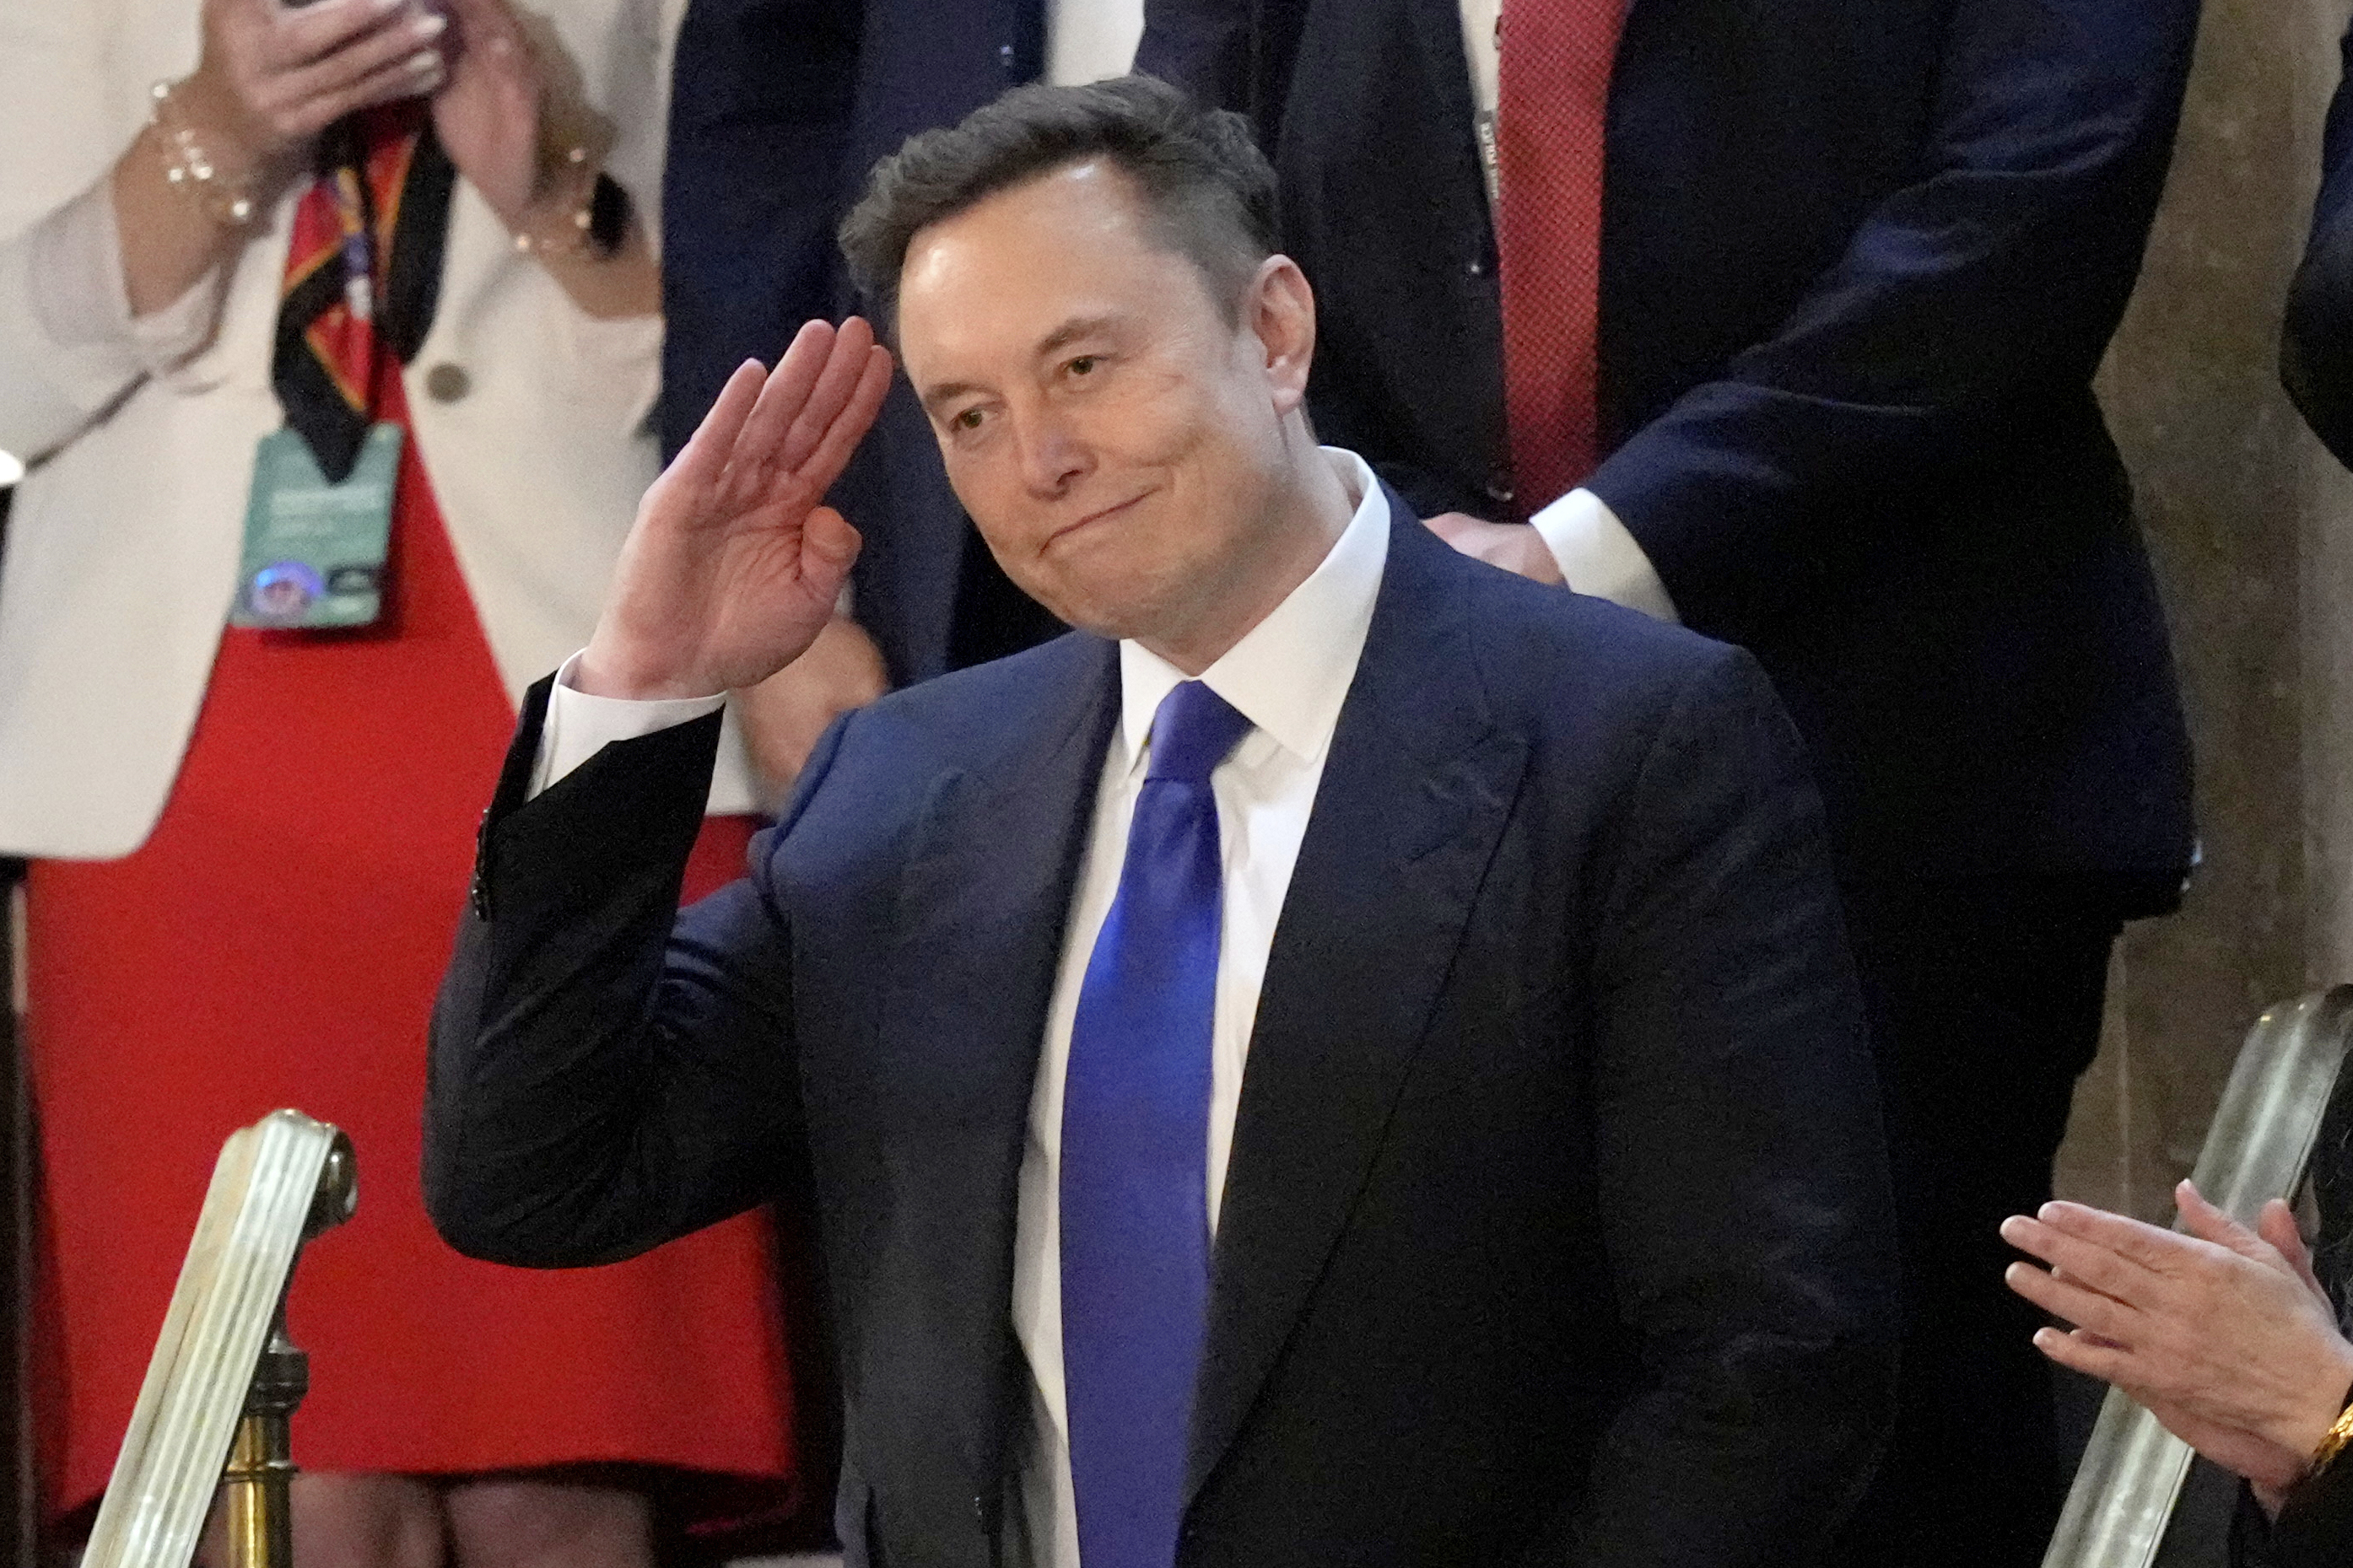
{"x":946,"y":392}
{"x":1070,"y":331}
{"x":1061,"y":337}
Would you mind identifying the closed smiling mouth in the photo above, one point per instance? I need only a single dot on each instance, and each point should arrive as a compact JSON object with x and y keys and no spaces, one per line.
{"x":1094,"y":517}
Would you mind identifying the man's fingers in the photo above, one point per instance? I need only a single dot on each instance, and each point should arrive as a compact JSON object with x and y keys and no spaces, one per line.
{"x":703,"y":458}
{"x":2095,"y":1311}
{"x":2152,"y":1247}
{"x":2204,"y":1221}
{"x":857,"y":416}
{"x":787,"y":394}
{"x":2084,"y":1354}
{"x":845,"y":370}
{"x":827,"y":534}
{"x":2081,"y":1260}
{"x":2276,"y":1225}
{"x":2212,"y":1225}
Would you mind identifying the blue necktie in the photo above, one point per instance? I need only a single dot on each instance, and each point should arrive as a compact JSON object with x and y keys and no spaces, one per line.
{"x":1135,"y":1142}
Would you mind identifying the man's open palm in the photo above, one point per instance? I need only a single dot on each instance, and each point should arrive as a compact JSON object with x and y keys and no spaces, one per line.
{"x":733,"y":564}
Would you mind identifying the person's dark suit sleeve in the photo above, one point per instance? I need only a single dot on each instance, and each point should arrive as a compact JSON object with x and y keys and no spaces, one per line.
{"x":2315,"y":1529}
{"x":1742,"y":1166}
{"x":2000,"y":271}
{"x":2316,"y":348}
{"x":1201,"y":45}
{"x":608,"y":1072}
{"x":762,"y":107}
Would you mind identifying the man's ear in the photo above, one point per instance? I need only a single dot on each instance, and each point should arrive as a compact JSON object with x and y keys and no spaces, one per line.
{"x":1280,"y":308}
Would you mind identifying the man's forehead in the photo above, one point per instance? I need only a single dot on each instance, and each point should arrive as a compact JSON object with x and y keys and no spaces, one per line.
{"x":1028,"y":268}
{"x":1092,"y":202}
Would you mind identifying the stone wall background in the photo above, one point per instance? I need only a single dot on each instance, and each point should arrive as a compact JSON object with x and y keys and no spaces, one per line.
{"x":2251,"y":524}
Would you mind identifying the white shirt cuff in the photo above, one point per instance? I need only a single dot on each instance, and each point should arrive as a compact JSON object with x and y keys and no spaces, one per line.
{"x":1598,"y":557}
{"x":578,"y":726}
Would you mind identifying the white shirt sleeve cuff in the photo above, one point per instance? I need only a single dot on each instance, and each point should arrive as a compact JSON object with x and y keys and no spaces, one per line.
{"x":578,"y":726}
{"x":1598,"y":557}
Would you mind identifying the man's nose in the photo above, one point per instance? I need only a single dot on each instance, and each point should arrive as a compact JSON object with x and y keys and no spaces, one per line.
{"x":1052,"y":454}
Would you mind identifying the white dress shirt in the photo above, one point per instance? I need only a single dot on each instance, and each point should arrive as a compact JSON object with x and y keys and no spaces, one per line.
{"x":1288,"y":677}
{"x":1590,"y":545}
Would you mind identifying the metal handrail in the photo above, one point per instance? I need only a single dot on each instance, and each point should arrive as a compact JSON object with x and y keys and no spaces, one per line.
{"x":224,"y":1380}
{"x":2257,"y":1149}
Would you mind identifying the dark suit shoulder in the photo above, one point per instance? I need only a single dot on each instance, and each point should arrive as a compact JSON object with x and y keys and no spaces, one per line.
{"x":880,"y":769}
{"x":1551,"y":655}
{"x":970,"y":717}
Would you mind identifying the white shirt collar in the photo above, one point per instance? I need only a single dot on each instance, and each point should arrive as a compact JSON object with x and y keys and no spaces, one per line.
{"x":1290,"y":673}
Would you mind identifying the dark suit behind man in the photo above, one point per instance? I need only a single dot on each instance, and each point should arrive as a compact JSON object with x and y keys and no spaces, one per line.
{"x":777,"y":109}
{"x":1858,"y":263}
{"x":2316,"y":350}
{"x":1555,"y":1228}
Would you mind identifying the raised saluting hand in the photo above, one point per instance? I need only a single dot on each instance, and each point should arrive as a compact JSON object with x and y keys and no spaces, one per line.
{"x":734,"y":564}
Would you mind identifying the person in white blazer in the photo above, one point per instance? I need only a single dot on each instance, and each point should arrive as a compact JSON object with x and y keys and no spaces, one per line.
{"x":137,"y":316}
{"x":141,"y":434}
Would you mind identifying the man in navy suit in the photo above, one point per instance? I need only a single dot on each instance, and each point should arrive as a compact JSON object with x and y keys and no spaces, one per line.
{"x":1351,"y":1056}
{"x":1849,"y":268}
{"x":777,"y":109}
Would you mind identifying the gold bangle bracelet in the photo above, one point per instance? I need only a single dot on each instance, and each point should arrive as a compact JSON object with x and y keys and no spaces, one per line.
{"x":2335,"y":1442}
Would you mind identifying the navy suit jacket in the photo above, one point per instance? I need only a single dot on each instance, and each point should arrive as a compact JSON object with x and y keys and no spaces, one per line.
{"x":1555,"y":1229}
{"x":778,"y":110}
{"x":2316,"y":349}
{"x":1859,"y":261}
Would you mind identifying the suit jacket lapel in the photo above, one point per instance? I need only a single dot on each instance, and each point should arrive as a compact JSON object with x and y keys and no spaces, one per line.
{"x":983,"y":901}
{"x":1413,"y":799}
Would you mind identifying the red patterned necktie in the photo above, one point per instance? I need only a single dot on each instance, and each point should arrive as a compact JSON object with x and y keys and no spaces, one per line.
{"x":1551,"y":110}
{"x":363,"y":274}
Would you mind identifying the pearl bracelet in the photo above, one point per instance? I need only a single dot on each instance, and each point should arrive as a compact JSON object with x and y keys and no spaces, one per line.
{"x":566,"y":236}
{"x":227,"y":201}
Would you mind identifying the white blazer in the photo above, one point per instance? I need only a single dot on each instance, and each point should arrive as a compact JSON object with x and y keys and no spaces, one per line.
{"x":122,"y":549}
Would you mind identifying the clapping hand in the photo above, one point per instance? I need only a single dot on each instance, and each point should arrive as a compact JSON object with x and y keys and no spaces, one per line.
{"x":733,"y":564}
{"x":272,"y":75}
{"x":511,"y":109}
{"x":2223,"y":1333}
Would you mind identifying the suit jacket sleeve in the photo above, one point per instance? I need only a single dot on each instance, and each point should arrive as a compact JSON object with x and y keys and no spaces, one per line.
{"x":1963,"y":297}
{"x":2316,"y":350}
{"x":608,"y":1072}
{"x":1742,"y":1167}
{"x":2315,"y":1529}
{"x":1230,"y":53}
{"x":761,"y":110}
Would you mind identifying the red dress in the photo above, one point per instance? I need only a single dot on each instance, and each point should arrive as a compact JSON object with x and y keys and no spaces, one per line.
{"x":277,"y":943}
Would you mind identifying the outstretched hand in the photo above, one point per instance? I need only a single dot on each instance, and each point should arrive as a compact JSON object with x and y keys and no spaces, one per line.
{"x":2223,"y":1333}
{"x":733,"y":564}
